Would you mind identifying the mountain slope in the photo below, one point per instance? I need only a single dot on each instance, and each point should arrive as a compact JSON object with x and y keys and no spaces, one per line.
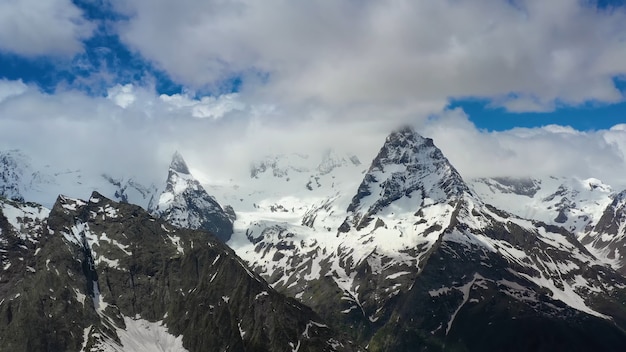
{"x":105,"y":276}
{"x":607,"y":239}
{"x":403,"y":256}
{"x":185,"y":203}
{"x":412,"y":219}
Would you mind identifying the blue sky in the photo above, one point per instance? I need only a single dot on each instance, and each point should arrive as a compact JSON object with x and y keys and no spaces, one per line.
{"x":102,"y":53}
{"x":243,"y":78}
{"x":584,"y":117}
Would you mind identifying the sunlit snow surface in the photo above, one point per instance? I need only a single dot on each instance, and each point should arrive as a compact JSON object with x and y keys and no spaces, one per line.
{"x":140,"y":335}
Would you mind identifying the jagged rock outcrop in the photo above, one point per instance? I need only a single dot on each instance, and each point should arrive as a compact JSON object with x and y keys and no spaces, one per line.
{"x":11,"y":172}
{"x":608,"y":237}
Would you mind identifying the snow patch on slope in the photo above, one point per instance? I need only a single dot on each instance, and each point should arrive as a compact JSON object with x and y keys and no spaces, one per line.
{"x":575,"y":204}
{"x":141,"y":335}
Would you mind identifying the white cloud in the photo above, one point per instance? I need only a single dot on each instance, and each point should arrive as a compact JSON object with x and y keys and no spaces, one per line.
{"x":73,"y":130}
{"x":321,"y":74}
{"x":546,"y":151}
{"x":42,"y":27}
{"x":76,"y":131}
{"x":619,"y":127}
{"x":11,"y":88}
{"x":206,"y":107}
{"x":518,"y":104}
{"x":388,"y":53}
{"x":123,"y":96}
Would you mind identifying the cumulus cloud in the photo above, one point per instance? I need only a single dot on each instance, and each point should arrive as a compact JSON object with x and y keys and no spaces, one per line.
{"x":525,"y":55}
{"x":544,"y":151}
{"x":11,"y":88}
{"x":42,"y":27}
{"x":214,"y":107}
{"x":121,"y":95}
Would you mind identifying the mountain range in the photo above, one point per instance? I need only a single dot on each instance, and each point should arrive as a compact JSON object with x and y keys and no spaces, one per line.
{"x":312,"y":253}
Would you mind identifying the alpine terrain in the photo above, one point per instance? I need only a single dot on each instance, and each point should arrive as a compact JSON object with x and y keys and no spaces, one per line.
{"x":314,"y":253}
{"x":414,"y":256}
{"x":99,"y":275}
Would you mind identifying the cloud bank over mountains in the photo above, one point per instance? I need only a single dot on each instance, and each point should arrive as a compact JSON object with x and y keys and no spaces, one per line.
{"x":134,"y":131}
{"x":312,"y":75}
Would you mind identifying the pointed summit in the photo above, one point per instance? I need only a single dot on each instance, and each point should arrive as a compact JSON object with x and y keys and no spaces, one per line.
{"x":407,"y":166}
{"x":185,"y":203}
{"x":178,"y":164}
{"x":407,"y":147}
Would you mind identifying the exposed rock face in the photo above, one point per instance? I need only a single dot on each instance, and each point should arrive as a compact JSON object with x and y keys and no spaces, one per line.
{"x":332,"y":160}
{"x":280,"y":166}
{"x":98,"y":275}
{"x":127,"y":190}
{"x":185,"y":203}
{"x":608,"y":237}
{"x":523,"y":186}
{"x":11,"y":172}
{"x":486,"y":304}
{"x":39,"y":284}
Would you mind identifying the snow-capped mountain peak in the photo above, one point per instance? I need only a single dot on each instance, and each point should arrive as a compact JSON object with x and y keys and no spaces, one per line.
{"x":413,"y":218}
{"x":185,"y":203}
{"x":408,"y":167}
{"x":14,"y":168}
{"x":280,"y":166}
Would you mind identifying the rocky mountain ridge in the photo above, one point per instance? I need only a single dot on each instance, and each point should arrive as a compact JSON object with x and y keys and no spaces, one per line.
{"x":98,"y":275}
